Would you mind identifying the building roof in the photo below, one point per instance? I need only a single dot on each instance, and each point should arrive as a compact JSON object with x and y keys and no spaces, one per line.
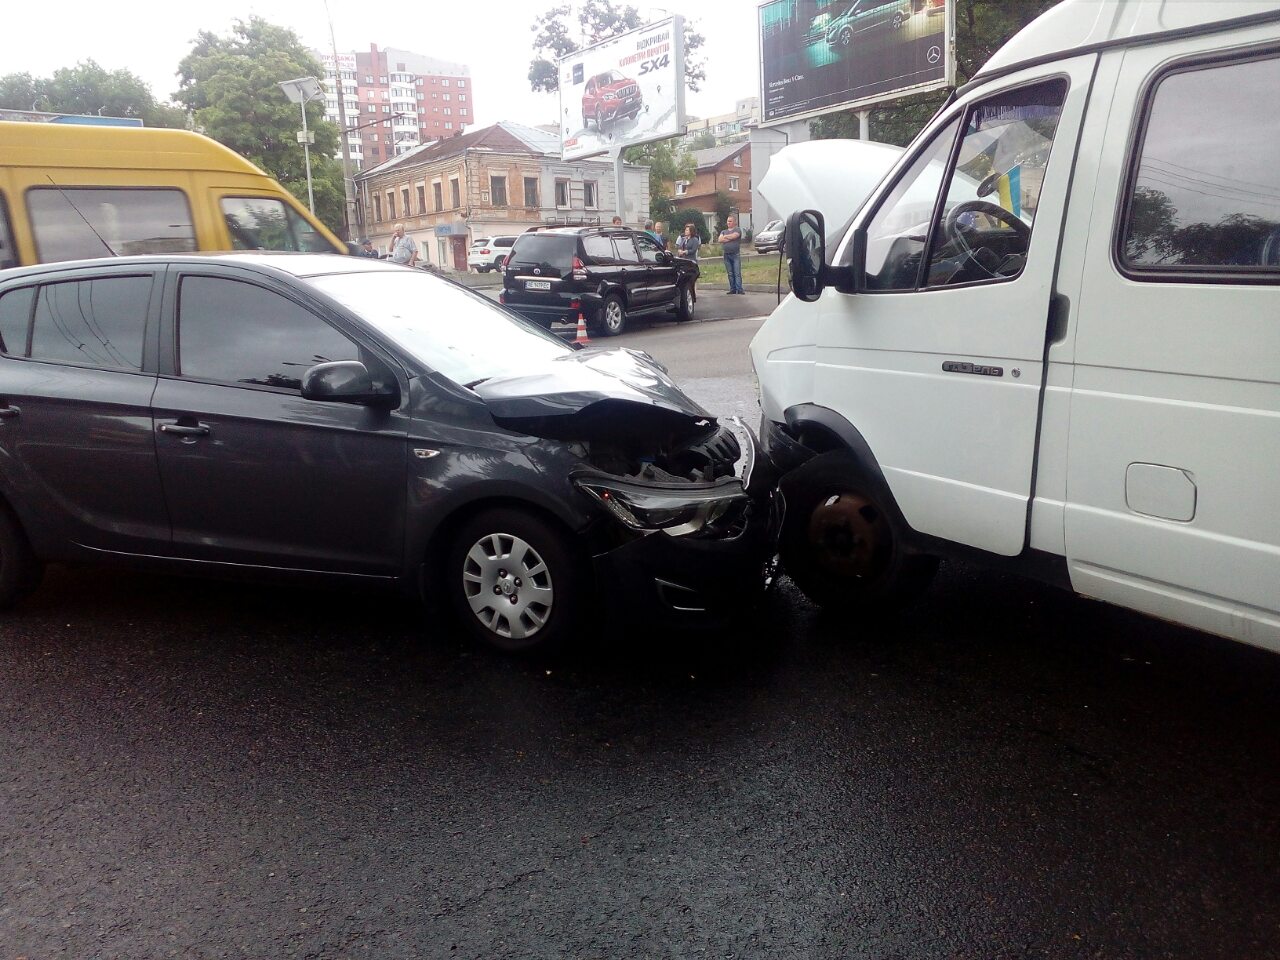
{"x":712,"y":157}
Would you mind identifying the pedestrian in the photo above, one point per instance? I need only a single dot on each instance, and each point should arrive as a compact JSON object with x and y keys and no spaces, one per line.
{"x":730,"y":241}
{"x":687,"y":243}
{"x":366,"y":249}
{"x":660,"y":234}
{"x":617,"y":221}
{"x":403,"y":249}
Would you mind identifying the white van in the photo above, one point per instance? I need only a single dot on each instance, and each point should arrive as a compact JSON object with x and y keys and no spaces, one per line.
{"x":1050,"y":337}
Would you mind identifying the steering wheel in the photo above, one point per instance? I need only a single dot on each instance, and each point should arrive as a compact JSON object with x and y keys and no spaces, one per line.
{"x":1271,"y":249}
{"x":956,"y":233}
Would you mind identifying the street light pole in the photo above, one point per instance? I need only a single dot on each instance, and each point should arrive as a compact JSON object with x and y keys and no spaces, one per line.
{"x":306,"y":157}
{"x":348,"y":184}
{"x":302,"y":91}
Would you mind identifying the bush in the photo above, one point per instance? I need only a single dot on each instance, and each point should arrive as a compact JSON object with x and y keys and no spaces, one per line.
{"x":689,"y":215}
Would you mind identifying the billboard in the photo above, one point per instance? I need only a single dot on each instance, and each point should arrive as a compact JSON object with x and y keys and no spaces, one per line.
{"x":624,"y":91}
{"x":817,"y":56}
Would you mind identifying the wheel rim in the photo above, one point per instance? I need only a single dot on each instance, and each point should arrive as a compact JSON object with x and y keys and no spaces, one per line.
{"x":850,"y":536}
{"x":897,"y":21}
{"x":508,"y":586}
{"x":688,"y":302}
{"x":613,"y":316}
{"x":846,"y":37}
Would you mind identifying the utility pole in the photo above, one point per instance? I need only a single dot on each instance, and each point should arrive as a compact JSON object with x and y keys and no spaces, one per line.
{"x":348,"y":184}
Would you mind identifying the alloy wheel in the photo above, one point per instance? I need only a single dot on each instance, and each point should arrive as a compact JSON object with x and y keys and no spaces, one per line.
{"x":614,"y":317}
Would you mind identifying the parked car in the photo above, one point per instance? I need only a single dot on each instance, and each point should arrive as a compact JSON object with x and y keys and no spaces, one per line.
{"x":489,"y":253}
{"x":865,"y":15}
{"x":606,"y":274}
{"x":769,"y":240}
{"x":339,"y":418}
{"x":610,"y":97}
{"x":1048,"y":338}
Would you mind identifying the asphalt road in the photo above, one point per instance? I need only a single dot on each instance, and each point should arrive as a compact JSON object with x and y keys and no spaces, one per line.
{"x":198,"y":769}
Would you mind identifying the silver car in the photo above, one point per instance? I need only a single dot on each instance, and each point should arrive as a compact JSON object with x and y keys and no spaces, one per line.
{"x":866,"y":15}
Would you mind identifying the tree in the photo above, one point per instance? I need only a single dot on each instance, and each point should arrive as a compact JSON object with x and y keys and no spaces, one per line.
{"x":88,"y":88}
{"x":703,"y":141}
{"x":982,"y":28}
{"x":689,"y":215}
{"x":724,"y":207}
{"x":667,"y":164}
{"x":232,"y":85}
{"x":597,"y":20}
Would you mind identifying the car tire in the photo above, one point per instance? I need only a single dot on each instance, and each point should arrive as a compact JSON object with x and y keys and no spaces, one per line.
{"x":846,"y":36}
{"x":586,"y":122}
{"x":599,"y":121}
{"x":686,"y":302}
{"x":20,"y":569}
{"x":841,"y":545}
{"x":514,"y":581}
{"x":898,"y":20}
{"x":497,"y":263}
{"x":613,"y":317}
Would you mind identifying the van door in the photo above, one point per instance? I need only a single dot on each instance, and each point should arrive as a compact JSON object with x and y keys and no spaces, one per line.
{"x":1173,"y":475}
{"x":939,"y":362}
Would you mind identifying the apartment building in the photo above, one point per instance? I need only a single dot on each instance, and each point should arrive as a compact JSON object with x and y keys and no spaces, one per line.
{"x":726,"y":127}
{"x":498,"y":180}
{"x":396,"y":100}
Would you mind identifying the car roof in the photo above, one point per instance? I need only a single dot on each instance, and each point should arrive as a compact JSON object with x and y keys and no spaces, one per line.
{"x":295,"y":264}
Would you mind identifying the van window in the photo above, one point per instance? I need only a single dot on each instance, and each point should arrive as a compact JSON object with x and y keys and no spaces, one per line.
{"x":75,"y":223}
{"x":95,"y":323}
{"x":1206,"y":192}
{"x":15,"y":320}
{"x":264,"y":223}
{"x":8,"y":252}
{"x":983,"y":230}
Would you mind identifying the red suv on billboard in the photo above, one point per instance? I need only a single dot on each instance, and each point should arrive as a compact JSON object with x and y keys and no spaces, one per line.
{"x":609,"y":97}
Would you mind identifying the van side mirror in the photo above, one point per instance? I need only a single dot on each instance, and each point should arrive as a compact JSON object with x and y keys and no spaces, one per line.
{"x":806,"y":247}
{"x":348,"y":381}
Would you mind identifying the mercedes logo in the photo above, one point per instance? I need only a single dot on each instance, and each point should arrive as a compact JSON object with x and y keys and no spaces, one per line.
{"x":935,"y":54}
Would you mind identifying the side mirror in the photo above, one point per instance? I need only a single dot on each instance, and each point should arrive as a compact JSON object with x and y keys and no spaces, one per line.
{"x":806,"y":247}
{"x":666,"y":256}
{"x":348,"y":381}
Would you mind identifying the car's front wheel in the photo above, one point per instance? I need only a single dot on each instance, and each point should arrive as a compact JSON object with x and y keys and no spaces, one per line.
{"x":514,"y":582}
{"x":613,"y":317}
{"x":846,"y":36}
{"x":898,"y":20}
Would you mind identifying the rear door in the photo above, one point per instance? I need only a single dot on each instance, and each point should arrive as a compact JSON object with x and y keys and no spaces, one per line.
{"x":76,"y":379}
{"x":1173,"y":478}
{"x":253,"y":473}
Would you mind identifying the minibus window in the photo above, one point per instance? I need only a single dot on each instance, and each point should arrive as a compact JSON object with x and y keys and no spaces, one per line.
{"x":1206,"y":194}
{"x":8,"y":253}
{"x":78,"y":223}
{"x":265,"y":223}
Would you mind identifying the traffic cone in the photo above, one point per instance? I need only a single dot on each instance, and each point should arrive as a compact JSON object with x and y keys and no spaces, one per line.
{"x":581,"y":336}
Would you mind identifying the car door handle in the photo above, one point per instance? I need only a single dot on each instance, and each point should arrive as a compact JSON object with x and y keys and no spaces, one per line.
{"x":182,"y":430}
{"x":8,"y":413}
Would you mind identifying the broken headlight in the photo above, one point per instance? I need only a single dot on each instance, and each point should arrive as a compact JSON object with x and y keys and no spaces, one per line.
{"x":675,"y":512}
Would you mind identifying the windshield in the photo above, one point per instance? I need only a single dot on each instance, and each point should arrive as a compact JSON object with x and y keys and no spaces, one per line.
{"x":455,"y":332}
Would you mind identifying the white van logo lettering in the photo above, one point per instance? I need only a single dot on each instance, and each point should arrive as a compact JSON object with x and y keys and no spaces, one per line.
{"x":957,"y":366}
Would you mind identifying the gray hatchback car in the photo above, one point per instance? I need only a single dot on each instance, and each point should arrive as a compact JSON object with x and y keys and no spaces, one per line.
{"x":307,"y":416}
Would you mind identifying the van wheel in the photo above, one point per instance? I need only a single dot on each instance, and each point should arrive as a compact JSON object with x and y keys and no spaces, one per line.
{"x":685,"y":303}
{"x":20,"y":570}
{"x":514,"y":582}
{"x":840,"y":544}
{"x":613,"y":317}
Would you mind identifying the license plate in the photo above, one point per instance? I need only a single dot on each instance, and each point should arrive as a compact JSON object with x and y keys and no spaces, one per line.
{"x":537,"y":284}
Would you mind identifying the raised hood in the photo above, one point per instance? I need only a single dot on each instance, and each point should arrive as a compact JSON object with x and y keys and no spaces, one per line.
{"x":834,"y":177}
{"x":616,"y":394}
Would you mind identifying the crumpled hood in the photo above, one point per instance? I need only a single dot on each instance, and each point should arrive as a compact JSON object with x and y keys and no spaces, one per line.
{"x":595,"y":394}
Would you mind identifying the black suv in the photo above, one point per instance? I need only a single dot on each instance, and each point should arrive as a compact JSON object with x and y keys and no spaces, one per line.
{"x":605,"y":273}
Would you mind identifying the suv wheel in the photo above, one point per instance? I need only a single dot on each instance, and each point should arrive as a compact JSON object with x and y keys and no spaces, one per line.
{"x":613,"y":317}
{"x":599,"y":121}
{"x":20,"y":571}
{"x":685,"y":302}
{"x":514,"y":582}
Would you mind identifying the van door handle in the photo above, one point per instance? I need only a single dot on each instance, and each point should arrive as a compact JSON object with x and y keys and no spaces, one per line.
{"x":180,"y":430}
{"x":8,"y":413}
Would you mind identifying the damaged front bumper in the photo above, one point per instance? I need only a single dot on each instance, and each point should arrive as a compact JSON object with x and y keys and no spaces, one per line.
{"x":696,"y":555}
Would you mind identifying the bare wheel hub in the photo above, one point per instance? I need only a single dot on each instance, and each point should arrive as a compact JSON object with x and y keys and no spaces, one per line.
{"x":850,"y":536}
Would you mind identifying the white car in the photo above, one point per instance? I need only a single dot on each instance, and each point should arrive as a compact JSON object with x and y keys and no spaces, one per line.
{"x":489,"y":253}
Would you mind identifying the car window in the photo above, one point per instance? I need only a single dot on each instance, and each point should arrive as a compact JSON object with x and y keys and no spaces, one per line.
{"x":236,"y":332}
{"x":15,"y":320}
{"x":480,"y":242}
{"x":554,"y":251}
{"x":648,"y":248}
{"x":265,"y":223}
{"x":504,"y":241}
{"x":983,"y":230}
{"x":598,"y":248}
{"x":1206,"y":194}
{"x":625,"y":250}
{"x":78,"y":223}
{"x":8,"y":252}
{"x":899,"y":230}
{"x":97,"y":323}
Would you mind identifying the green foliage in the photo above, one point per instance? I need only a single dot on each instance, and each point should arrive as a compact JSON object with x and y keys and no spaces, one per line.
{"x":88,"y":88}
{"x":667,"y":163}
{"x":232,"y":85}
{"x":555,"y":38}
{"x":688,"y":215}
{"x":724,"y":207}
{"x":982,"y":28}
{"x":703,"y":141}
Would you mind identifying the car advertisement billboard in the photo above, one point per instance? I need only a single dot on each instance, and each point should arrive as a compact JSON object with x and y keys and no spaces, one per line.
{"x":817,"y":56}
{"x":624,"y":91}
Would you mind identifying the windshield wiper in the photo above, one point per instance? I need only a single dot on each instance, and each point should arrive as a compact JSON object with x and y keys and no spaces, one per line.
{"x":475,"y":383}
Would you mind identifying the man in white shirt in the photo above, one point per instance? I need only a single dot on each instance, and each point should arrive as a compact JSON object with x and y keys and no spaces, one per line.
{"x":403,"y":249}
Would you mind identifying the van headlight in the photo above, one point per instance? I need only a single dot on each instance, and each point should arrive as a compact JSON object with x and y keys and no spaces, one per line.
{"x":677,"y":513}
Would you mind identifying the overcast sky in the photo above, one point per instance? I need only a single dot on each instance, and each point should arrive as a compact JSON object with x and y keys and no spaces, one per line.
{"x":492,"y":37}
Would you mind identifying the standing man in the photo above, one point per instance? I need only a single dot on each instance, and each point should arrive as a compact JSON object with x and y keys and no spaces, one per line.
{"x":403,"y":249}
{"x":660,"y":234}
{"x":730,"y":240}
